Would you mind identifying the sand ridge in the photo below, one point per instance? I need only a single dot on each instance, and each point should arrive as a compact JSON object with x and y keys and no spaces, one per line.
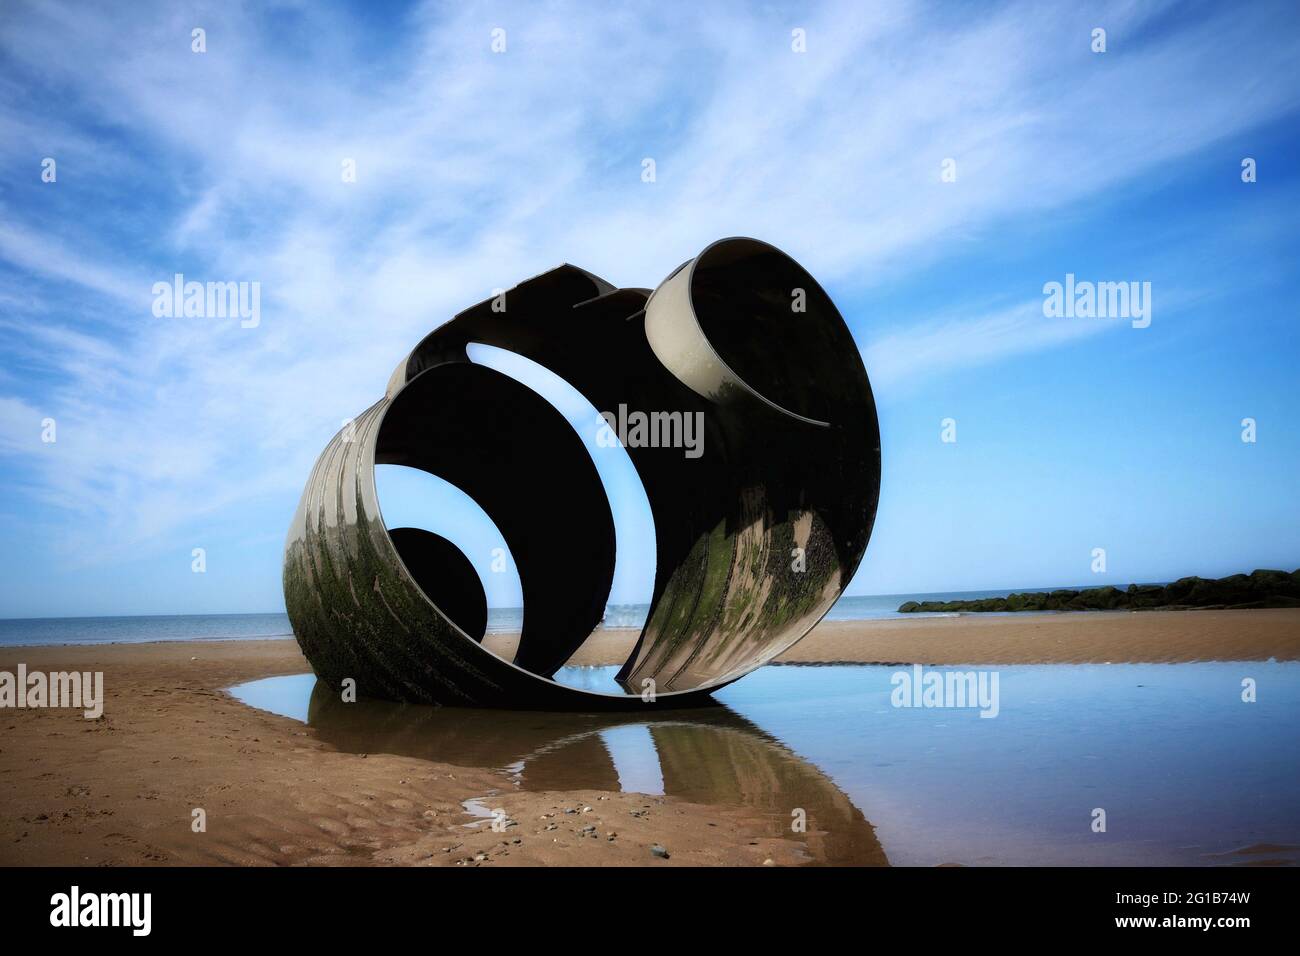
{"x":1053,"y":638}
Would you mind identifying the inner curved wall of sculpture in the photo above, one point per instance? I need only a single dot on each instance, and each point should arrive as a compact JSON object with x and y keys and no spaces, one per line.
{"x":755,"y":538}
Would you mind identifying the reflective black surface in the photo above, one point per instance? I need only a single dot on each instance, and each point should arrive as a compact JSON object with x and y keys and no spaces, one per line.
{"x":756,"y":535}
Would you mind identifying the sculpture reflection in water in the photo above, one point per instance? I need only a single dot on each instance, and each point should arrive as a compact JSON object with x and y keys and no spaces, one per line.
{"x":710,"y":756}
{"x":757,"y":530}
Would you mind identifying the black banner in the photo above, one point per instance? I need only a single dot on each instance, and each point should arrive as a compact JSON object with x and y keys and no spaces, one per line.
{"x":335,"y":904}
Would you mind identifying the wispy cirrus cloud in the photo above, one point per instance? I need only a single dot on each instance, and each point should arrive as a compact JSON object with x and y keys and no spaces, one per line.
{"x":477,"y":169}
{"x":900,"y":360}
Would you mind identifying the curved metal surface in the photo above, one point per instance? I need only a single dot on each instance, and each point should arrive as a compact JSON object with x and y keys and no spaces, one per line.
{"x":755,"y":538}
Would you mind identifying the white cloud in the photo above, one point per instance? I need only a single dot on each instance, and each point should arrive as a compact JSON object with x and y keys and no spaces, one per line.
{"x":898,"y":361}
{"x":30,"y":250}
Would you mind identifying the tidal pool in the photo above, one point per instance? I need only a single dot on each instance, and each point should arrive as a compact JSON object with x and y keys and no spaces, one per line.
{"x":1185,"y":770}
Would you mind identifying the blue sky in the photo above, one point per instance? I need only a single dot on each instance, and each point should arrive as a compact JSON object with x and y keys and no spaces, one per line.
{"x":478,"y":169}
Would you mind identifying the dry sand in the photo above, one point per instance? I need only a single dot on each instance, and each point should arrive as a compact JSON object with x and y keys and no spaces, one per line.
{"x":1065,"y":638}
{"x":120,"y":790}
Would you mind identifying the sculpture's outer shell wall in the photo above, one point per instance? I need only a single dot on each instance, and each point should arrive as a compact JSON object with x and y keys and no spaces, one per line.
{"x":755,"y":538}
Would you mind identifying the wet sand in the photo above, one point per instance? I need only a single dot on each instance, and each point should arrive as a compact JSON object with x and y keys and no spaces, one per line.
{"x":120,"y":790}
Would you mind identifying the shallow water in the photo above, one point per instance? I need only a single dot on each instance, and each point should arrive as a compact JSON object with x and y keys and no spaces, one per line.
{"x":1186,"y":772}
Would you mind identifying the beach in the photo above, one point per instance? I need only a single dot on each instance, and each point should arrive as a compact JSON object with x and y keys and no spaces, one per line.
{"x":123,"y":789}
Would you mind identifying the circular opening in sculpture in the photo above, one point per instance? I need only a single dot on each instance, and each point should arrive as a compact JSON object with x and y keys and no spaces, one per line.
{"x":775,"y":328}
{"x":523,"y":465}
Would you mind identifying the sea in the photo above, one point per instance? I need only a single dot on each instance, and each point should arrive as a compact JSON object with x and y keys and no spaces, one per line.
{"x":502,"y":620}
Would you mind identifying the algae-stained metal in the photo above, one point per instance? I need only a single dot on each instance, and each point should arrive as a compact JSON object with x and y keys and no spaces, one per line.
{"x":756,"y":535}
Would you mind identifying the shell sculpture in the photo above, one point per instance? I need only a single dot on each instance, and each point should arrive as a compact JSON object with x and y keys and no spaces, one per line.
{"x":759,"y":525}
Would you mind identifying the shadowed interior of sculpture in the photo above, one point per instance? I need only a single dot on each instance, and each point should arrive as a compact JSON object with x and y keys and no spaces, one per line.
{"x":446,"y":577}
{"x":634,"y":556}
{"x":516,"y":456}
{"x":774,"y":326}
